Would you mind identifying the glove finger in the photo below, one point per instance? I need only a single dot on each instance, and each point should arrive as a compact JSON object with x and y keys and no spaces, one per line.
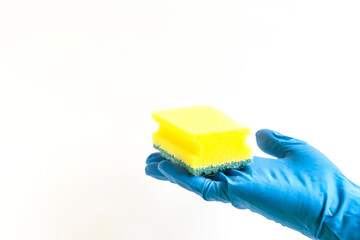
{"x":219,"y":176}
{"x":239,"y":184}
{"x":152,"y":170}
{"x":233,"y":172}
{"x":276,"y":144}
{"x":206,"y":188}
{"x":155,"y":157}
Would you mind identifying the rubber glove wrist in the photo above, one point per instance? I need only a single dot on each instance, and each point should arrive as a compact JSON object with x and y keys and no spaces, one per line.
{"x":342,"y":217}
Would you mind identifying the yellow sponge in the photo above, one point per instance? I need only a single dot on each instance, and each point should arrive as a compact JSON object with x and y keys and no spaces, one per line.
{"x":202,"y":139}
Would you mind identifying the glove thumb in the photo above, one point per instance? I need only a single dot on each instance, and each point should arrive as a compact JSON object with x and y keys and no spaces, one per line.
{"x":276,"y":144}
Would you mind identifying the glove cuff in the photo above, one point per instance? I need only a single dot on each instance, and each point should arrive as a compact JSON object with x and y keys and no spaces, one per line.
{"x":342,"y":220}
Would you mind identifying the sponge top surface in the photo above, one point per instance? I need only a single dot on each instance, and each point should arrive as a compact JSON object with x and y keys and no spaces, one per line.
{"x":198,"y":120}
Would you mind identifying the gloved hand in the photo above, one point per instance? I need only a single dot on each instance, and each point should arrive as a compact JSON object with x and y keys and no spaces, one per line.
{"x":301,"y":188}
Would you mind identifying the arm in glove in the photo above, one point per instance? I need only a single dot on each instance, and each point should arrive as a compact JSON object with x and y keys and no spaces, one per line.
{"x":301,"y":188}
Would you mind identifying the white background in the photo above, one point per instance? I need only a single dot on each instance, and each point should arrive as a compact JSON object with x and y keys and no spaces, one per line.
{"x":79,"y":80}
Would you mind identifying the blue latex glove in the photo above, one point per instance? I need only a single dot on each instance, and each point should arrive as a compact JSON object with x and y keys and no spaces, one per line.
{"x":301,"y":189}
